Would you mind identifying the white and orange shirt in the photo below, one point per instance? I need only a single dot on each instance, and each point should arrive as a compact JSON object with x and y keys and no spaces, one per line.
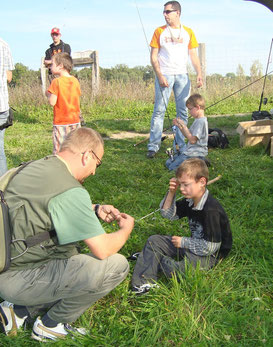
{"x":173,"y":45}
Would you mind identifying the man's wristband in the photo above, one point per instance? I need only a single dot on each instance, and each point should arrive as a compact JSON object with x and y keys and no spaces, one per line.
{"x":96,"y":209}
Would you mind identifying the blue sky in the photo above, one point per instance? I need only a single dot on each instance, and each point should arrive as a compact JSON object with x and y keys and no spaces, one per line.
{"x":234,"y":31}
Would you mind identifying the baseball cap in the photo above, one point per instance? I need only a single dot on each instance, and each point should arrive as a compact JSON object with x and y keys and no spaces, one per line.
{"x":55,"y":31}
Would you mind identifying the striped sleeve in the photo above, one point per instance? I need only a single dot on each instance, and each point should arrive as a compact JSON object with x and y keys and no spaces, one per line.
{"x":200,"y":247}
{"x":170,"y":213}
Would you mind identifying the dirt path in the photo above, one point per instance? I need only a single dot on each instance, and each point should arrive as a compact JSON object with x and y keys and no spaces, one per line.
{"x":133,"y":134}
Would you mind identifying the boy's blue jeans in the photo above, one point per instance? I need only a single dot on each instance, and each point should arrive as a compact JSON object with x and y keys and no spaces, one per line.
{"x":180,"y":84}
{"x":178,"y":159}
{"x":3,"y":161}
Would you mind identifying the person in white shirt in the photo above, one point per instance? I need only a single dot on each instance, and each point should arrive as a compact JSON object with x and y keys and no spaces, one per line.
{"x":170,"y":47}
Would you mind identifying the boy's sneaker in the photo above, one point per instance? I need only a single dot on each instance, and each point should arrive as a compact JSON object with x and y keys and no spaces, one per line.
{"x":9,"y":321}
{"x":143,"y":289}
{"x":42,"y":333}
{"x":151,"y":154}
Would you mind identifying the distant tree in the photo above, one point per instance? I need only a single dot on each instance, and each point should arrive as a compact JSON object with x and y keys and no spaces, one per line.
{"x":230,"y":75}
{"x":122,"y":68}
{"x":123,"y":73}
{"x":22,"y":74}
{"x":240,"y":71}
{"x":85,"y":73}
{"x":148,"y":74}
{"x":256,"y":69}
{"x":216,"y":76}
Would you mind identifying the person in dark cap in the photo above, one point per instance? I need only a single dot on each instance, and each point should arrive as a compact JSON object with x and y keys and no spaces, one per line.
{"x":57,"y":46}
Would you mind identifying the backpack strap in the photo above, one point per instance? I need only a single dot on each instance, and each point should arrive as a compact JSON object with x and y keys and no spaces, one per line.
{"x":38,"y":238}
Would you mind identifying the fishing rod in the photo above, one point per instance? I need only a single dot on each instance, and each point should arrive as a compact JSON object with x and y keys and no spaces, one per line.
{"x":262,"y":95}
{"x":248,"y":85}
{"x":151,"y":213}
{"x":160,"y":88}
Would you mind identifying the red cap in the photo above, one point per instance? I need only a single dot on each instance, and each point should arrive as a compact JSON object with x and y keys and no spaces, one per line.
{"x":55,"y":31}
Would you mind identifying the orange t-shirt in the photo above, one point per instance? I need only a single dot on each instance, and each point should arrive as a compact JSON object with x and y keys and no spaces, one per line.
{"x":67,"y":108}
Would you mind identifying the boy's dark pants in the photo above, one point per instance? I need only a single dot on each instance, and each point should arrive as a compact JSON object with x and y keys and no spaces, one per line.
{"x":158,"y":257}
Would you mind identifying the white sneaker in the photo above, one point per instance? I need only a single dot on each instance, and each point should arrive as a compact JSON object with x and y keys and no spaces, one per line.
{"x":42,"y":333}
{"x":9,"y":321}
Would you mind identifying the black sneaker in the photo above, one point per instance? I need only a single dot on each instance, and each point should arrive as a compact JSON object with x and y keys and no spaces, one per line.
{"x":151,"y":154}
{"x":143,"y":289}
{"x":134,"y":256}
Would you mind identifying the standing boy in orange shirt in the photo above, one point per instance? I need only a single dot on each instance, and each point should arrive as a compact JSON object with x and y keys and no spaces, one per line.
{"x":64,"y":95}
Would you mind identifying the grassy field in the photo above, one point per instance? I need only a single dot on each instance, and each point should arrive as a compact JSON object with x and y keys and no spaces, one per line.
{"x":230,"y":305}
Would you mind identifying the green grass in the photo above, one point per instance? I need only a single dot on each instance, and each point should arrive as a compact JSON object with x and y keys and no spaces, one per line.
{"x":230,"y":305}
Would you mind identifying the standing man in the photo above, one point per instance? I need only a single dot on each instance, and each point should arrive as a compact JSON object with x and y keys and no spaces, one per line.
{"x":170,"y":47}
{"x":52,"y":277}
{"x":57,"y":46}
{"x":6,"y":67}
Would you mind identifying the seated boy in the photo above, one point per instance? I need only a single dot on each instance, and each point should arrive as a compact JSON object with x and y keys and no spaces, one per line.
{"x":64,"y":95}
{"x":197,"y":135}
{"x":210,"y":240}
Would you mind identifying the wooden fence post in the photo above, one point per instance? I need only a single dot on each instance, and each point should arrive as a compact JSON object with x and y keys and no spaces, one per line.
{"x":80,"y":59}
{"x":43,"y":75}
{"x":95,"y":72}
{"x":202,"y":57}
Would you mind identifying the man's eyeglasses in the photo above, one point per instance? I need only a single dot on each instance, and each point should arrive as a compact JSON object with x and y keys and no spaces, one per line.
{"x":169,"y":11}
{"x":99,"y":161}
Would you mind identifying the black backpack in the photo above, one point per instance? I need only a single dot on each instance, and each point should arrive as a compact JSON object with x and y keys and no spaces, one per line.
{"x":217,"y":139}
{"x":258,"y":115}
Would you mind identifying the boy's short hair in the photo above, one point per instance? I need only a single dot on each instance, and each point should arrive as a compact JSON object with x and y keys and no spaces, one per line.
{"x":194,"y":168}
{"x":196,"y":100}
{"x":175,"y":5}
{"x":64,"y":59}
{"x":82,"y":140}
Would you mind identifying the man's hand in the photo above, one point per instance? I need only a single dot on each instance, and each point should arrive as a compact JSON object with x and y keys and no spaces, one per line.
{"x":163,"y":81}
{"x":173,"y":185}
{"x":176,"y":240}
{"x":199,"y":81}
{"x":47,"y":63}
{"x":104,"y":245}
{"x":125,"y":221}
{"x":108,"y":213}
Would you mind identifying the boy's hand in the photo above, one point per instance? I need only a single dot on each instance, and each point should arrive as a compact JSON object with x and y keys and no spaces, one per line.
{"x":173,"y":185}
{"x":178,"y":122}
{"x":176,"y":240}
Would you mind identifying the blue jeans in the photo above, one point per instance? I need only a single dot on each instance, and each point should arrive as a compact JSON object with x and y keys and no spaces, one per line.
{"x":180,"y":84}
{"x":3,"y":161}
{"x":177,"y":160}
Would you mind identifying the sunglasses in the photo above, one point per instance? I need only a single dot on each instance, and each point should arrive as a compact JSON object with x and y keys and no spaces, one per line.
{"x":169,"y":11}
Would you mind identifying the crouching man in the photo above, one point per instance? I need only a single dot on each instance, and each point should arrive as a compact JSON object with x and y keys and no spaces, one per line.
{"x":52,"y":277}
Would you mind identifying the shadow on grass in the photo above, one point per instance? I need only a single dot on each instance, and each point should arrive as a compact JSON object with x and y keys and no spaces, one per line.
{"x":106,"y":126}
{"x":23,"y":117}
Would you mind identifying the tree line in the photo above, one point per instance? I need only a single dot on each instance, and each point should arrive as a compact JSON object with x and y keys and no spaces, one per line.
{"x":121,"y":72}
